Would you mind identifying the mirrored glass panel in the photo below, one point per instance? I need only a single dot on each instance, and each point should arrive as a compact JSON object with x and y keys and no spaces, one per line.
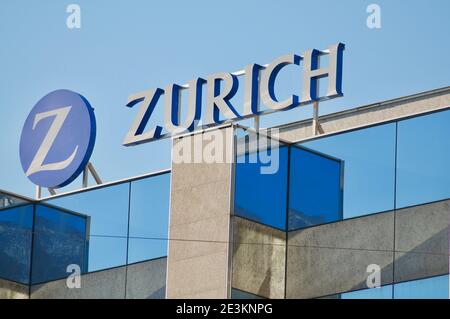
{"x":429,"y":288}
{"x":15,"y":243}
{"x":107,"y":252}
{"x":261,"y":186}
{"x":423,"y":172}
{"x":239,"y":294}
{"x":142,"y":249}
{"x":149,"y":207}
{"x":369,"y":156}
{"x":383,"y":292}
{"x":149,"y":218}
{"x":60,"y":240}
{"x":315,"y":192}
{"x":106,"y":206}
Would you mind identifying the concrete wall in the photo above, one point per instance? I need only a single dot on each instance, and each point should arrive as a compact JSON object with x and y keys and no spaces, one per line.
{"x":142,"y":280}
{"x":368,"y":115}
{"x":106,"y":284}
{"x":333,"y":258}
{"x":147,"y":280}
{"x":199,"y":230}
{"x":259,"y":254}
{"x":13,"y":290}
{"x":421,"y":241}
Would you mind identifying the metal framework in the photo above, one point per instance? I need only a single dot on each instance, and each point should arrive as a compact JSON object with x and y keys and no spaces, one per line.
{"x":88,"y":168}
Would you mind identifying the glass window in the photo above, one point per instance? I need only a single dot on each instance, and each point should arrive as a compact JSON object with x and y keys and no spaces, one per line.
{"x":107,"y":252}
{"x":315,"y":190}
{"x":423,"y":171}
{"x":260,"y":196}
{"x":60,"y":240}
{"x":149,"y":207}
{"x":107,"y":207}
{"x":239,"y":294}
{"x":15,"y":243}
{"x":141,"y":249}
{"x":369,"y":156}
{"x":149,"y":218}
{"x":383,"y":292}
{"x":430,"y":288}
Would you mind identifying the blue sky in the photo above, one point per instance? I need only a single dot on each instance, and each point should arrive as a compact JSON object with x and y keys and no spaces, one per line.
{"x":125,"y":47}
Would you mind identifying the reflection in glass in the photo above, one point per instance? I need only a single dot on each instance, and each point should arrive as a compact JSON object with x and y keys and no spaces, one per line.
{"x":15,"y":243}
{"x":107,"y":207}
{"x":383,"y":292}
{"x":107,"y":252}
{"x":240,"y":294}
{"x":261,"y":197}
{"x":423,"y":171}
{"x":60,"y":239}
{"x":315,"y":188}
{"x":149,"y":207}
{"x":429,"y":288}
{"x":369,"y":156}
{"x":141,"y":249}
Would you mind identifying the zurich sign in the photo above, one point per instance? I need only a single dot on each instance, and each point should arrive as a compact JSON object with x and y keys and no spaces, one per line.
{"x":57,"y":139}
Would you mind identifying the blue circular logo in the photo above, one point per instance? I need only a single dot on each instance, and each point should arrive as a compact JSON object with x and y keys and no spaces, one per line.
{"x":57,"y":139}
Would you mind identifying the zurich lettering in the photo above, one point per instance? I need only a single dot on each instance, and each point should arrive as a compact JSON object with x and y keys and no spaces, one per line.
{"x":259,"y":84}
{"x":59,"y":133}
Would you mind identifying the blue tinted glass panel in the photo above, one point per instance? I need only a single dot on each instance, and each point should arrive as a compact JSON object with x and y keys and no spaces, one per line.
{"x":149,"y":207}
{"x":60,"y":240}
{"x":262,"y":197}
{"x":423,"y":173}
{"x":239,"y":294}
{"x":369,"y":157}
{"x":15,"y":243}
{"x":430,"y":288}
{"x":315,"y":193}
{"x":384,"y":292}
{"x":140,"y":249}
{"x":106,"y":252}
{"x":107,"y":207}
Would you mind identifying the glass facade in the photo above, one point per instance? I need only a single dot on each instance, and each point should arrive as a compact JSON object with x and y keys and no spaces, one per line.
{"x":96,"y":229}
{"x":304,"y":190}
{"x":16,"y":226}
{"x":377,"y":195}
{"x":427,"y":288}
{"x":307,"y":227}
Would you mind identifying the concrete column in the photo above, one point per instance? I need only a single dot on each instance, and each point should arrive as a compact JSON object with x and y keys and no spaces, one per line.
{"x":199,"y":227}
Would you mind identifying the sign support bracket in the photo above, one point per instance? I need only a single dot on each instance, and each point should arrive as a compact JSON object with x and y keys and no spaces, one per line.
{"x":316,"y":127}
{"x":89,"y":168}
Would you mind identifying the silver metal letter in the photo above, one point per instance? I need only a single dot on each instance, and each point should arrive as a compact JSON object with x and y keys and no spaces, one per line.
{"x":172,"y":108}
{"x":219,"y":101}
{"x":312,"y":73}
{"x":37,"y":163}
{"x":251,"y":89}
{"x":136,"y":134}
{"x":268,"y":83}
